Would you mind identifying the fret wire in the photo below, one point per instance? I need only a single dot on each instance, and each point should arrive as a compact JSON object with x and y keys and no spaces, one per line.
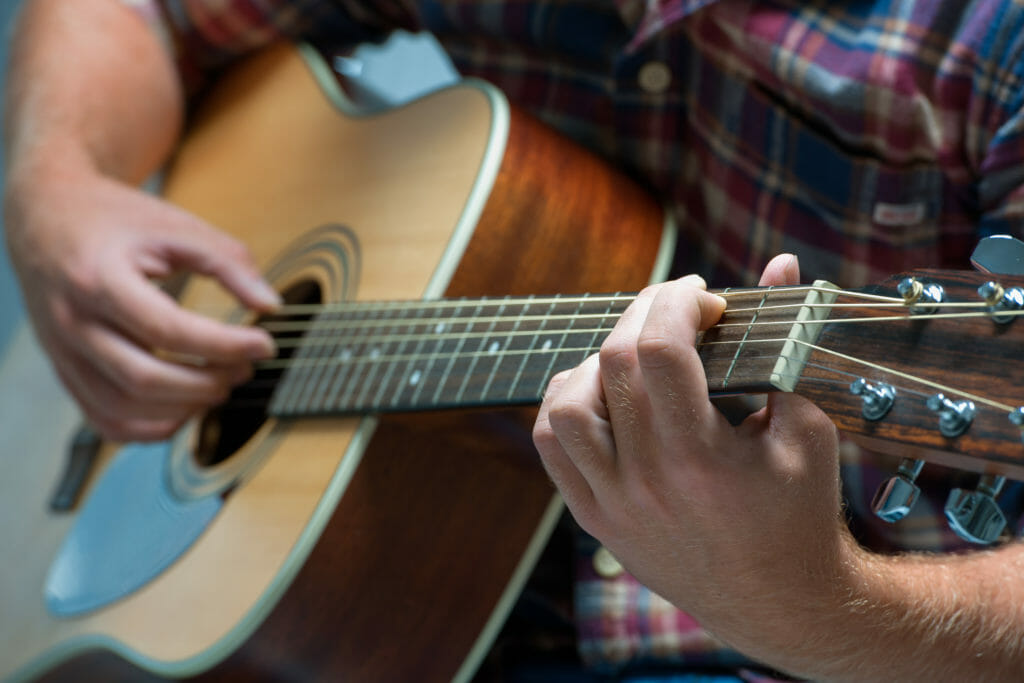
{"x":344,"y":344}
{"x":368,"y":382}
{"x":409,"y":376}
{"x":294,"y":382}
{"x":594,"y":341}
{"x":390,"y":371}
{"x":328,"y":351}
{"x":546,"y":376}
{"x":554,"y":349}
{"x":526,"y":356}
{"x":426,"y":373}
{"x":739,"y":348}
{"x":472,"y":363}
{"x":500,"y":358}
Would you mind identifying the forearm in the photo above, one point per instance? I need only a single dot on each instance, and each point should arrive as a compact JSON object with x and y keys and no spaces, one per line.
{"x":917,"y":618}
{"x":90,"y":84}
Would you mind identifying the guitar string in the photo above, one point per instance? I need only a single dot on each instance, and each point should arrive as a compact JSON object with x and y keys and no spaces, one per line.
{"x":433,"y":304}
{"x":868,"y":364}
{"x":238,"y":403}
{"x":880,"y":301}
{"x":300,"y":309}
{"x":325,"y":362}
{"x":369,"y":360}
{"x":311,"y":339}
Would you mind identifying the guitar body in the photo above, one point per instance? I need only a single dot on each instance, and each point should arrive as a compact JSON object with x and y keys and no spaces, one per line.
{"x":376,"y":548}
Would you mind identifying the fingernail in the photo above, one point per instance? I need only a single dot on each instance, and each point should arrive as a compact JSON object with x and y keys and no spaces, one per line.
{"x":267,"y":348}
{"x":266,"y":295}
{"x":695,"y":281}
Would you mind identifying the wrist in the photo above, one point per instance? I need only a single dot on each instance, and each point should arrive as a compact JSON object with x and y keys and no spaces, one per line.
{"x":35,"y":171}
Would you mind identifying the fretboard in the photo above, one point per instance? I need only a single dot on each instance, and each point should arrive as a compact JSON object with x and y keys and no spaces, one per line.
{"x":405,"y":356}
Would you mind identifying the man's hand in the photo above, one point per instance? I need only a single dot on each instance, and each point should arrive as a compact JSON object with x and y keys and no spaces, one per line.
{"x":87,"y":250}
{"x":740,"y":526}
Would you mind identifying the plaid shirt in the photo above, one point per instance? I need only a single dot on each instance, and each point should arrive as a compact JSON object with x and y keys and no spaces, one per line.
{"x":866,"y":137}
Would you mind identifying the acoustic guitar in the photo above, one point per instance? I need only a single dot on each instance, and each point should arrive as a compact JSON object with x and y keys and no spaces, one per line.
{"x":330,"y":521}
{"x":351,"y":547}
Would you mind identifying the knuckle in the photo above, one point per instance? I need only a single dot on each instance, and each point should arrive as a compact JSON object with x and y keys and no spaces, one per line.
{"x":567,"y":416}
{"x":654,"y":349}
{"x":232,"y":250}
{"x":618,"y":353}
{"x":544,"y":437}
{"x":237,"y":251}
{"x":139,"y":381}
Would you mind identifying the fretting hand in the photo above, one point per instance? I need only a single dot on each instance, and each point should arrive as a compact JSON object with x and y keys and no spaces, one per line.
{"x":740,"y":526}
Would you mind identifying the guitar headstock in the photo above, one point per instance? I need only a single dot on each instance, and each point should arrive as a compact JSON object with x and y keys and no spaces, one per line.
{"x":927,"y":365}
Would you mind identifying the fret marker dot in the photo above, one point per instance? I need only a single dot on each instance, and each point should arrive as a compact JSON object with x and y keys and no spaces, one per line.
{"x":374,"y":353}
{"x":547,"y":345}
{"x":441,"y":328}
{"x":494,"y":347}
{"x":345,"y":355}
{"x":414,"y":378}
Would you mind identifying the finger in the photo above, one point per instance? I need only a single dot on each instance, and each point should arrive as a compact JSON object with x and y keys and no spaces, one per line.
{"x":156,"y":321}
{"x":191,"y":244}
{"x":142,"y":376}
{"x":669,"y":361}
{"x":621,"y":379}
{"x":800,"y":427}
{"x":783,"y":269}
{"x":109,"y":411}
{"x":560,"y":468}
{"x":580,"y":420}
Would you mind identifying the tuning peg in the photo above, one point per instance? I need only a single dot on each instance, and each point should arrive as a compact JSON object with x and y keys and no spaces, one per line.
{"x":877,"y":398}
{"x":1017,"y":417}
{"x":975,"y":515}
{"x":921,"y":297}
{"x":1002,"y":302}
{"x":999,"y":254}
{"x":897,"y":495}
{"x":954,"y":416}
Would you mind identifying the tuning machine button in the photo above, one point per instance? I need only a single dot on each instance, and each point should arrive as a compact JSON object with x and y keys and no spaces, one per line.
{"x":1002,"y":254}
{"x":897,"y":495}
{"x":1002,"y":302}
{"x":975,"y":515}
{"x":954,"y":416}
{"x":920,"y":297}
{"x":1016,"y":416}
{"x":876,"y":399}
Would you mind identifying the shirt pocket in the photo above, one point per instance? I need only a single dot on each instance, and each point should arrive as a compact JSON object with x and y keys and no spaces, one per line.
{"x":852,"y":214}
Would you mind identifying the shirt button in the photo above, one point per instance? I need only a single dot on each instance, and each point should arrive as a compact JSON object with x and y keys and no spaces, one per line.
{"x":654,"y":77}
{"x":605,"y":564}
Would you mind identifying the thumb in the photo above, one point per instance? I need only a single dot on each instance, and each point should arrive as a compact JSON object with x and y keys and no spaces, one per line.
{"x":784,"y":269}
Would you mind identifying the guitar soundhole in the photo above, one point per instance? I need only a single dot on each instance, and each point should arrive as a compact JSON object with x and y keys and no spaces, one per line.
{"x":225,"y":429}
